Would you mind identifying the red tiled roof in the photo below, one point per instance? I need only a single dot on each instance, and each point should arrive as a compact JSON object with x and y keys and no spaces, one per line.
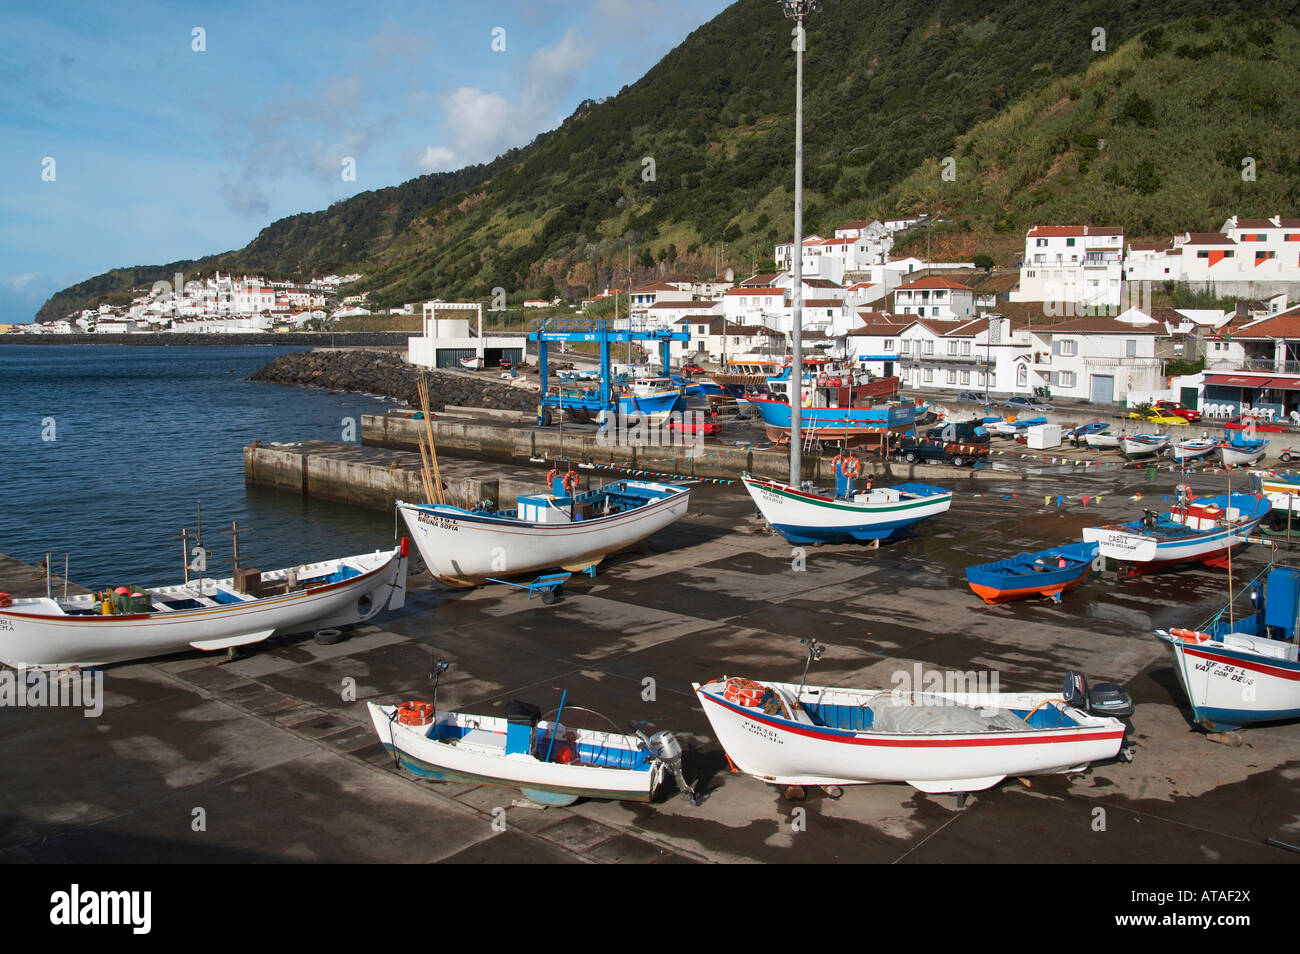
{"x":823,"y":303}
{"x":1099,"y":325}
{"x":741,"y":290}
{"x":1255,"y":224}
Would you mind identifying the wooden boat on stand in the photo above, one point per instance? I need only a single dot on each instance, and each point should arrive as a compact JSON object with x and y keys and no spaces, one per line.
{"x":848,"y":515}
{"x":201,"y":613}
{"x":550,"y":761}
{"x":567,"y":528}
{"x":938,"y":742}
{"x":1195,"y":530}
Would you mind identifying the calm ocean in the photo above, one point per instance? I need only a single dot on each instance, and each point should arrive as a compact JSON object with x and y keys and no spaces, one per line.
{"x":141,"y":435}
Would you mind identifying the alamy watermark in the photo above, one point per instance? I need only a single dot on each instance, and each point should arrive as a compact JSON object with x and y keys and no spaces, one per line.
{"x":676,"y":429}
{"x":920,"y":680}
{"x":25,"y":688}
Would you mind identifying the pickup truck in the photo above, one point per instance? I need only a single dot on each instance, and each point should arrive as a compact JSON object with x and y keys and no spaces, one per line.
{"x":962,"y":432}
{"x":911,"y":450}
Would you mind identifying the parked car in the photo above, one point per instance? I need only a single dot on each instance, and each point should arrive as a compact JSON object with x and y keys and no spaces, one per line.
{"x":1027,"y":404}
{"x":973,"y":397}
{"x":961,"y":432}
{"x":1155,"y":415}
{"x":692,"y":369}
{"x":1179,"y":410}
{"x":912,"y":450}
{"x":1269,"y":427}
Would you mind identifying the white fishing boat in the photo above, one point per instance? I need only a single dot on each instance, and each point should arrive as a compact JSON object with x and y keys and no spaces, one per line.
{"x":1283,"y":492}
{"x":934,"y":741}
{"x":1242,"y":670}
{"x":1194,"y":449}
{"x":1135,"y":446}
{"x":1242,"y":452}
{"x":1104,"y":441}
{"x":805,"y":516}
{"x":568,"y":528}
{"x":200,"y":614}
{"x":551,"y":763}
{"x":472,"y":364}
{"x":1194,"y":530}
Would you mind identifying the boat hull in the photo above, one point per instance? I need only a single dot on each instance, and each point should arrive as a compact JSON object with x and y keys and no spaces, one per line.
{"x":548,"y":782}
{"x":803,"y":517}
{"x":1148,"y":551}
{"x":33,"y":639}
{"x":785,"y":751}
{"x":777,"y":414}
{"x":462,"y":548}
{"x":1231,"y":687}
{"x":1016,"y":579}
{"x":1240,"y":456}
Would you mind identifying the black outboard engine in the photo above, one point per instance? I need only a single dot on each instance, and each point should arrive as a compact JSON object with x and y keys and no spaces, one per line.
{"x":1106,"y":699}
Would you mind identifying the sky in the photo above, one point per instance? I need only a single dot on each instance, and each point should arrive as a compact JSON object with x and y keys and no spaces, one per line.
{"x":140,"y":133}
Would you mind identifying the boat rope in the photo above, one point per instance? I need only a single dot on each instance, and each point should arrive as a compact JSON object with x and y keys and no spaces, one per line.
{"x":1043,"y":703}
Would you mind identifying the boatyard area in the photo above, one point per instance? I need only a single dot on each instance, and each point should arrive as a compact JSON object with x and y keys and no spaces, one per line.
{"x":271,"y":756}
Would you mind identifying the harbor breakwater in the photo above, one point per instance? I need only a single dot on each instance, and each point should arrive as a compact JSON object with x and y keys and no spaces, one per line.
{"x":291,"y":339}
{"x":386,"y":374}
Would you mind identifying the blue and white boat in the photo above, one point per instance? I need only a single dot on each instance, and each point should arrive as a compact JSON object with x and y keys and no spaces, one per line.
{"x":1195,"y":449}
{"x":567,"y":528}
{"x":1239,"y":451}
{"x":1195,"y":530}
{"x":1243,"y":670}
{"x":1046,"y":573}
{"x":805,"y":516}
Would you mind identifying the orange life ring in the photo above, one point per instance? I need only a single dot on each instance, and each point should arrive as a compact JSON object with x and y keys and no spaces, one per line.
{"x":5,"y":600}
{"x":835,"y":463}
{"x":850,"y":467}
{"x":550,"y":476}
{"x":1190,"y":635}
{"x":823,"y":378}
{"x":835,"y":382}
{"x":744,"y":692}
{"x":570,"y":482}
{"x":415,"y":713}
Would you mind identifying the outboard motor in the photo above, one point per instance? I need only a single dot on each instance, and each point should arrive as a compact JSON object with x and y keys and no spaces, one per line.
{"x":664,"y":747}
{"x":1105,"y":699}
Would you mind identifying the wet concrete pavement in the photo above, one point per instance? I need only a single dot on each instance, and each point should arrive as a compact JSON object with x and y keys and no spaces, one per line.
{"x":271,"y":757}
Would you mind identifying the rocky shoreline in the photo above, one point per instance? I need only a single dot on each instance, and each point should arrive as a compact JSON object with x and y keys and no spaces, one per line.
{"x":386,"y":374}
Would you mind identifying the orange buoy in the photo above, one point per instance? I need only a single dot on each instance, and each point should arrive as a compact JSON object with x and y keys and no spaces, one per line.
{"x":744,"y":692}
{"x":415,"y":713}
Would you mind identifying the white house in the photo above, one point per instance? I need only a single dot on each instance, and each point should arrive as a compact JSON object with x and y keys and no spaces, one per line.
{"x":1101,"y":359}
{"x":935,"y":298}
{"x":1075,"y":265}
{"x":988,"y":354}
{"x":716,"y":339}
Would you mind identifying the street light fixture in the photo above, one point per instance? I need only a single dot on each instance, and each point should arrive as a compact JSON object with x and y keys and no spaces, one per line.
{"x":797,"y":10}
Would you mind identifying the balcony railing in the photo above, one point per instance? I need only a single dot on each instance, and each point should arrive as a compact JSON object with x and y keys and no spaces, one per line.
{"x":944,"y":358}
{"x":1270,"y":364}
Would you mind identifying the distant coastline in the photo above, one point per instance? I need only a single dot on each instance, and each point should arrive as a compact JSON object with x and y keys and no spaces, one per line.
{"x":292,"y":339}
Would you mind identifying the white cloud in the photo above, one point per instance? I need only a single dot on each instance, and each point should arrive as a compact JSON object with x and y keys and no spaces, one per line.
{"x":437,"y":159}
{"x":19,"y":282}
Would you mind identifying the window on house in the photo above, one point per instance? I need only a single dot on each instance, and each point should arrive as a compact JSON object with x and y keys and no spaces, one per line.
{"x":952,"y":377}
{"x":965,"y":377}
{"x":1069,"y":348}
{"x":952,"y":348}
{"x":929,"y":347}
{"x":889,"y":344}
{"x":1066,"y":379}
{"x":928,"y":377}
{"x":965,"y":348}
{"x":1130,"y":349}
{"x":1022,"y":376}
{"x":1069,"y":243}
{"x":1040,"y":243}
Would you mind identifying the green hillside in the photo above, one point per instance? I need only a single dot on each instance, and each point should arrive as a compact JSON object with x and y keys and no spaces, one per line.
{"x":1014,"y":92}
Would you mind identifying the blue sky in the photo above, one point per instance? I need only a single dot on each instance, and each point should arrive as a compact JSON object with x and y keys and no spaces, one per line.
{"x":162,"y":152}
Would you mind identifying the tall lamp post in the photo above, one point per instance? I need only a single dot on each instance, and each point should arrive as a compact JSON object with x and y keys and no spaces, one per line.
{"x":797,"y":10}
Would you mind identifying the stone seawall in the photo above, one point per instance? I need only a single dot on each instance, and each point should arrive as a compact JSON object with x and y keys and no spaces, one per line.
{"x":384,"y":373}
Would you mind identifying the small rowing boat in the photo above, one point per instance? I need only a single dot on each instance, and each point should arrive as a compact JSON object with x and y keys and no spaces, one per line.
{"x":550,"y":762}
{"x":1136,"y":446}
{"x":1047,"y":573}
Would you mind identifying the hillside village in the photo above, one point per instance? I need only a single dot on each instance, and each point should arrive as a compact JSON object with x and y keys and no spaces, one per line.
{"x":1074,"y":317}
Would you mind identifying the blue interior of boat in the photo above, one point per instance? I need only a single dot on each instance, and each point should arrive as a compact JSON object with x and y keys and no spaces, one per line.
{"x":850,"y":718}
{"x":604,"y":756}
{"x":224,"y":596}
{"x":344,"y":572}
{"x":860,"y":718}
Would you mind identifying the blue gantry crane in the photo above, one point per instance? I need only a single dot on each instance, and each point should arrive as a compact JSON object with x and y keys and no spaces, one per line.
{"x":586,"y":403}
